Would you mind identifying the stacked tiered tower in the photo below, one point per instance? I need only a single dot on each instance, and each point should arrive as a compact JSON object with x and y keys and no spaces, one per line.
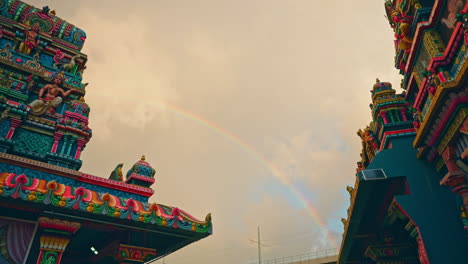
{"x":42,"y":108}
{"x":50,"y":212}
{"x":410,"y":200}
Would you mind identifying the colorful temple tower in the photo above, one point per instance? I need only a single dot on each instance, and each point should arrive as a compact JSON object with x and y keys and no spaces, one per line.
{"x":410,"y":199}
{"x":50,"y":212}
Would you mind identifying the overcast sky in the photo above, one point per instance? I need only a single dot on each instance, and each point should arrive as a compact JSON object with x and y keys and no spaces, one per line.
{"x":217,"y":93}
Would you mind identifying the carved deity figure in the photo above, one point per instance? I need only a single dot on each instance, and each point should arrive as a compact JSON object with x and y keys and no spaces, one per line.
{"x":31,"y":39}
{"x":432,"y":82}
{"x":49,"y":97}
{"x":360,"y":167}
{"x":369,"y":144}
{"x":344,"y":221}
{"x":350,"y":191}
{"x":453,"y":8}
{"x":402,"y":17}
{"x":364,"y":158}
{"x":416,"y":120}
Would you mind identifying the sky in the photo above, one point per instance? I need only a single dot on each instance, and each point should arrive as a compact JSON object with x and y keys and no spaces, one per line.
{"x":247,"y":109}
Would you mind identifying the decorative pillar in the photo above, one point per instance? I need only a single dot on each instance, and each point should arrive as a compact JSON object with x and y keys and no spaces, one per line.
{"x":132,"y":255}
{"x":65,"y":143}
{"x":455,"y":177}
{"x":14,"y":123}
{"x":462,"y":190}
{"x":448,"y":156}
{"x":396,"y":115}
{"x":79,"y":146}
{"x":70,"y":145}
{"x":383,"y":114}
{"x":391,"y":114}
{"x":403,"y":114}
{"x":57,"y":138}
{"x":54,"y":239}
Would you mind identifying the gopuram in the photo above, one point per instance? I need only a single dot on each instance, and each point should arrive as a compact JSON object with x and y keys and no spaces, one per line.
{"x":409,"y":203}
{"x":50,"y":212}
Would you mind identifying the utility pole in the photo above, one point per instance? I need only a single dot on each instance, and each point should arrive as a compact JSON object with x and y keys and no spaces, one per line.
{"x":259,"y":251}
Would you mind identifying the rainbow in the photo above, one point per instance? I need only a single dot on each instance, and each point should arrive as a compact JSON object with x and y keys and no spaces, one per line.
{"x":277,"y":172}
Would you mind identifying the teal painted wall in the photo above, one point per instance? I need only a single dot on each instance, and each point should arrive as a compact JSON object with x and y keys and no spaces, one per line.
{"x":431,"y":206}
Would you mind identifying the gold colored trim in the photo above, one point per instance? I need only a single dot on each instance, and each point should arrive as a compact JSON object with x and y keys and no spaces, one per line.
{"x":443,"y":89}
{"x":453,"y":129}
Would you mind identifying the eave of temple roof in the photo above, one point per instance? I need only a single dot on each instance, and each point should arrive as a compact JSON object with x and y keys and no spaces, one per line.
{"x":97,"y":188}
{"x":50,"y":195}
{"x":75,"y":175}
{"x":370,"y":197}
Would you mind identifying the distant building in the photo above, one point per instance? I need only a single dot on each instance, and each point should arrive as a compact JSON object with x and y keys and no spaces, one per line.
{"x":410,"y":200}
{"x":50,"y":212}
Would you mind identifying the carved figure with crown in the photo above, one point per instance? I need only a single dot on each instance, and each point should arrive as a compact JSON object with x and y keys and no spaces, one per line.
{"x":44,"y":129}
{"x":31,"y":39}
{"x":49,"y":96}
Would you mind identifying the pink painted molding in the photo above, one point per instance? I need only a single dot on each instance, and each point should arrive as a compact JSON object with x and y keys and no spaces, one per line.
{"x":77,"y":175}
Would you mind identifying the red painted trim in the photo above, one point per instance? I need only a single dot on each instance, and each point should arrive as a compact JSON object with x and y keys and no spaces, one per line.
{"x":420,"y":29}
{"x":65,"y":44}
{"x":140,"y":178}
{"x":384,"y":137}
{"x":60,"y":257}
{"x":421,"y":94}
{"x":122,"y":186}
{"x":12,"y":103}
{"x":76,"y":130}
{"x":409,"y":86}
{"x":432,"y":155}
{"x":446,"y":118}
{"x":76,"y":116}
{"x":8,"y":33}
{"x":40,"y":257}
{"x":9,"y":21}
{"x":455,"y":40}
{"x":421,"y":246}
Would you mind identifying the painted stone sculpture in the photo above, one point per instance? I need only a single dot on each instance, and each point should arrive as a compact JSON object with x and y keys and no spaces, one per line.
{"x":51,"y":99}
{"x":31,"y":39}
{"x":44,"y":128}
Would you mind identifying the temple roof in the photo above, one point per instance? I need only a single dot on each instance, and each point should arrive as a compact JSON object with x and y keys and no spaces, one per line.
{"x":49,"y":23}
{"x":78,"y":193}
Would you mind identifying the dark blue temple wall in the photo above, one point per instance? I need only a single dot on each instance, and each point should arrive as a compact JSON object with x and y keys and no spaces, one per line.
{"x":431,"y":206}
{"x":4,"y":167}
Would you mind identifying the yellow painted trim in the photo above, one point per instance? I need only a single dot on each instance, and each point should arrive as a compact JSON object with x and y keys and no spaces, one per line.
{"x":350,"y":212}
{"x":421,"y":152}
{"x":443,"y":89}
{"x":453,"y":129}
{"x":37,"y":130}
{"x":439,"y":164}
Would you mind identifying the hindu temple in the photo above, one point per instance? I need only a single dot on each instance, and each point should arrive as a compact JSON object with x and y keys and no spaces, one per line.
{"x":409,"y":202}
{"x":50,"y":212}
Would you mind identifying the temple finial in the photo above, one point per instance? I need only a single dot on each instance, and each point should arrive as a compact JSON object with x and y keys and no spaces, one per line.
{"x":143,"y":157}
{"x":377,"y":80}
